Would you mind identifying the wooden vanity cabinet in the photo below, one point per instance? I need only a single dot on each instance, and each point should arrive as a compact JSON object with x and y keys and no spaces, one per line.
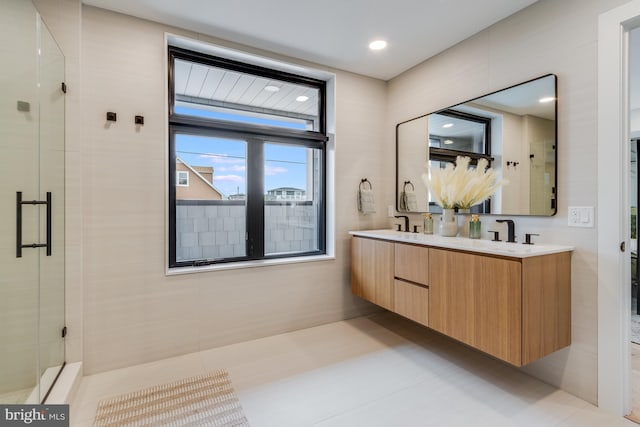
{"x":516,"y":309}
{"x":372,"y":271}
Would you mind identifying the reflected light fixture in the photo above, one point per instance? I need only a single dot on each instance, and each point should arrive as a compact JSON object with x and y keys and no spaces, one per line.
{"x":546,"y":99}
{"x":302,"y":98}
{"x":271,"y":88}
{"x":447,"y":125}
{"x":377,"y":45}
{"x":448,"y":142}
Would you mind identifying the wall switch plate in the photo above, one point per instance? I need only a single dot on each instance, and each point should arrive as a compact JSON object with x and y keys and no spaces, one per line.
{"x":390,"y":211}
{"x":581,"y":216}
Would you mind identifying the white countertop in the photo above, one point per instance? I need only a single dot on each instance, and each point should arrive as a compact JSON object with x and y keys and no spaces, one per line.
{"x":514,"y":250}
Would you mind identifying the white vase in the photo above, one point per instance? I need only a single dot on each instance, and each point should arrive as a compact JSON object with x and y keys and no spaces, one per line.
{"x":464,"y":218}
{"x":448,"y":224}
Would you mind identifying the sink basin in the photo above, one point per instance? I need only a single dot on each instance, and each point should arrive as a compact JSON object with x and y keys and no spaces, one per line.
{"x":515,"y":250}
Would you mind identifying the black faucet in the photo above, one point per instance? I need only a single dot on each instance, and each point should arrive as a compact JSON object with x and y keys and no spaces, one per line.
{"x":406,"y":221}
{"x":511,"y":229}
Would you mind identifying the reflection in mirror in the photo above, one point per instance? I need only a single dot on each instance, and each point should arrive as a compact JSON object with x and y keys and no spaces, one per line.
{"x":514,"y":129}
{"x":412,"y":164}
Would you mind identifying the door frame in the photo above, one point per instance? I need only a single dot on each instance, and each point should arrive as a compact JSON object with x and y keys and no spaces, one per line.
{"x":614,"y":274}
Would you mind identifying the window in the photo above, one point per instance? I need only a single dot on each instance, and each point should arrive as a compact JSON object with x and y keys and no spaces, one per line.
{"x":254,"y":140}
{"x":182,"y":179}
{"x":456,"y":133}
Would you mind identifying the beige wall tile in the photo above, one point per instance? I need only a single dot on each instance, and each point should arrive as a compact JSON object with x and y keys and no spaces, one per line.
{"x":133,"y":313}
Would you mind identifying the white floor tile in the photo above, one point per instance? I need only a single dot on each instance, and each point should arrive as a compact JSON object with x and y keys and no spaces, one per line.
{"x":378,"y":371}
{"x":595,"y":417}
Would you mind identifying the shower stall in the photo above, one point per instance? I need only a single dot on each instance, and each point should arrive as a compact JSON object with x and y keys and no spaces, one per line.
{"x":32,"y":246}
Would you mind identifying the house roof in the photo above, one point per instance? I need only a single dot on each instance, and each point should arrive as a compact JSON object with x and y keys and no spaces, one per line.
{"x":196,"y":173}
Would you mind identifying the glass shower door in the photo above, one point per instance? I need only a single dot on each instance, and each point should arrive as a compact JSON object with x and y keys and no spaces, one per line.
{"x":19,"y":278}
{"x":51,"y":174}
{"x":31,"y":164}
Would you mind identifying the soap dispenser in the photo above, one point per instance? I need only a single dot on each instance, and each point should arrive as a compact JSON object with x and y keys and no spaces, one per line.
{"x":475,"y":227}
{"x":428,"y":224}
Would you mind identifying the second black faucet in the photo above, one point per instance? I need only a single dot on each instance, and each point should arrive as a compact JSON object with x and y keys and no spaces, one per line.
{"x":511,"y":229}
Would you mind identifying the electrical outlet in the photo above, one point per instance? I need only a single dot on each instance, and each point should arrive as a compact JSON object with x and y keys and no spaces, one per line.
{"x":390,"y":211}
{"x":581,"y":216}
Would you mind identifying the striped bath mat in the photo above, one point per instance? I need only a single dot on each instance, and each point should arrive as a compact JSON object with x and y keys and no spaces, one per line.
{"x":203,"y":400}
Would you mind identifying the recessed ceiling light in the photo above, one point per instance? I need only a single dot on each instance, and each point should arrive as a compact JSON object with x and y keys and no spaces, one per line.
{"x":302,"y":98}
{"x":377,"y":45}
{"x":447,"y":125}
{"x":547,"y":99}
{"x":271,"y":88}
{"x":448,"y":142}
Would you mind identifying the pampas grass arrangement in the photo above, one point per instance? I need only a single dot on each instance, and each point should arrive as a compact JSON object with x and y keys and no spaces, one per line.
{"x":461,"y":186}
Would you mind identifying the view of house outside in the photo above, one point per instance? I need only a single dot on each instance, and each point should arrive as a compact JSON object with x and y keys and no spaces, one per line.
{"x":210,"y":201}
{"x":286,"y":166}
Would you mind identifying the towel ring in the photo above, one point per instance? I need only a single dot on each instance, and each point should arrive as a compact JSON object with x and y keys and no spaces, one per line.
{"x":404,"y":187}
{"x":365,"y":180}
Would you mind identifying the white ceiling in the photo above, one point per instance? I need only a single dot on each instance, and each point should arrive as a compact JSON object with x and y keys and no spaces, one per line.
{"x":335,"y":33}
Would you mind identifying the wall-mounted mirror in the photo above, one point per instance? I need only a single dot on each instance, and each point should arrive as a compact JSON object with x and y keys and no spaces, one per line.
{"x":515,"y":129}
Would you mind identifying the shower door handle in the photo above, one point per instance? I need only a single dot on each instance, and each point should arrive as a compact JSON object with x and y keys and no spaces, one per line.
{"x":19,"y":203}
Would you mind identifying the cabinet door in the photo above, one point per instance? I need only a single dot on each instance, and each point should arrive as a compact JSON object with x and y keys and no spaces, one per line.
{"x":411,"y":263}
{"x":411,"y":301}
{"x":477,"y":300}
{"x":372,"y":271}
{"x":546,"y":311}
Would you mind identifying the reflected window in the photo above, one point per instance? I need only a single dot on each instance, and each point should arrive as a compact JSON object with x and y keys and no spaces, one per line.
{"x":454,"y":133}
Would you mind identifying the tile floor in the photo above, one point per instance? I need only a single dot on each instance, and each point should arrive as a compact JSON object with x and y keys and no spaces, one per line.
{"x":378,"y":371}
{"x":16,"y":397}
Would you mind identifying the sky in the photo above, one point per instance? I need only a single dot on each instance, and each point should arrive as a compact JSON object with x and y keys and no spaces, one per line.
{"x":285,"y":165}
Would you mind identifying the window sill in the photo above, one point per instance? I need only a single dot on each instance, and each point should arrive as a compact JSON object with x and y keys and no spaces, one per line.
{"x":247,"y":264}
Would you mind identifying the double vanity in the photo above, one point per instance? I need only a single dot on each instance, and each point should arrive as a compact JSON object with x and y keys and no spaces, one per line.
{"x":509,"y":300}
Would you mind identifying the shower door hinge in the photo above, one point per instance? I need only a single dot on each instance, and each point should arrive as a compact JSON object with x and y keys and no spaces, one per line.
{"x":64,"y":332}
{"x":63,"y":86}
